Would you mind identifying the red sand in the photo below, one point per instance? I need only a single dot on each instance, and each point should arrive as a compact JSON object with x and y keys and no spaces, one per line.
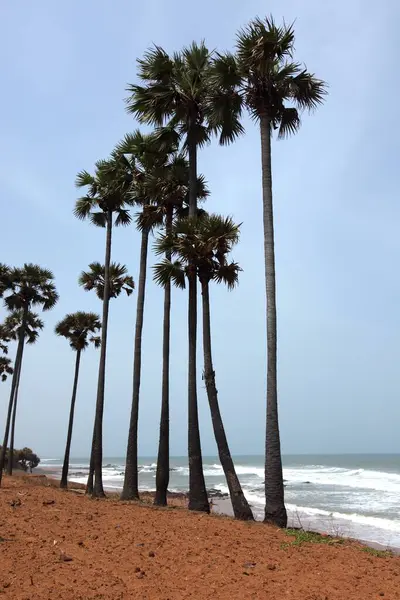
{"x":123,"y":551}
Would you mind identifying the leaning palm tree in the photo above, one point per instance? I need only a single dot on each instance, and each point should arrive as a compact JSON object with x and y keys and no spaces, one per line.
{"x":79,"y":329}
{"x":33,"y":326}
{"x":105,"y":206}
{"x":203,"y":244}
{"x":118,"y":281}
{"x":25,"y":288}
{"x":178,"y":90}
{"x":275,"y":89}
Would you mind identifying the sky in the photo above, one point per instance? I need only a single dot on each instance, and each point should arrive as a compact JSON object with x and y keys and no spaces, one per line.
{"x":65,"y":69}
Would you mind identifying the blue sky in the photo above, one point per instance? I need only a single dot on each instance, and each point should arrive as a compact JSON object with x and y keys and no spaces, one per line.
{"x":65,"y":68}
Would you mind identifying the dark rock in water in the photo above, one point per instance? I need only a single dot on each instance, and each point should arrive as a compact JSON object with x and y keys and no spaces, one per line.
{"x":307,"y":482}
{"x":213,"y":493}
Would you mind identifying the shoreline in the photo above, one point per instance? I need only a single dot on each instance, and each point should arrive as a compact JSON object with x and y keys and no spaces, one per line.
{"x":58,"y":543}
{"x":222,"y":506}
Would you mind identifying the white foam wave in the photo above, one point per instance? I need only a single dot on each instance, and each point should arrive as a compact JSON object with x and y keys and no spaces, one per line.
{"x":351,"y":478}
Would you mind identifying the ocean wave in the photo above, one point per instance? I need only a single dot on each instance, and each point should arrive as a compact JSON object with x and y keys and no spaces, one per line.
{"x":375,"y":522}
{"x":350,"y":478}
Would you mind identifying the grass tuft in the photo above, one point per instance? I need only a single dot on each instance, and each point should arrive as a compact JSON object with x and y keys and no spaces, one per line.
{"x":375,"y":552}
{"x":310,"y":537}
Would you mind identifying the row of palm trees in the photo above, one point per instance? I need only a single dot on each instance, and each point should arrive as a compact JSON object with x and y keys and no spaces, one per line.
{"x":188,"y":98}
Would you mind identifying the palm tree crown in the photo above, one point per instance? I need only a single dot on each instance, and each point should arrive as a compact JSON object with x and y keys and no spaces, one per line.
{"x":13,"y":323}
{"x":159,"y":172}
{"x":266,"y":77}
{"x":29,"y":286}
{"x":104,"y":195}
{"x":119,"y":280}
{"x":79,"y":329}
{"x":203,"y":243}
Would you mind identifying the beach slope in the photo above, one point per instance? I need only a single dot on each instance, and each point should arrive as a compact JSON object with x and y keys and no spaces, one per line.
{"x":62,"y":545}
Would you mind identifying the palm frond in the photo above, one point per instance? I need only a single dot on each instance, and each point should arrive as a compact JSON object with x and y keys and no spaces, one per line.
{"x":307,"y":91}
{"x":289,"y":123}
{"x":123,"y":218}
{"x":5,"y":368}
{"x":83,"y":207}
{"x":167,"y":271}
{"x":84,"y":179}
{"x":228,"y":274}
{"x":98,"y":218}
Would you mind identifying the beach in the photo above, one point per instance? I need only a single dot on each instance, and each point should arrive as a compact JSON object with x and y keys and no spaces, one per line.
{"x":61,"y":544}
{"x":355,"y":496}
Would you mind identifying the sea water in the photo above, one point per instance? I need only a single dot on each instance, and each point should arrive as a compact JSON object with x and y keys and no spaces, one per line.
{"x":348,"y":495}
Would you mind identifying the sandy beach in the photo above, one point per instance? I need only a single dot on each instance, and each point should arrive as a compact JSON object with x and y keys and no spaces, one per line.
{"x":57,"y":544}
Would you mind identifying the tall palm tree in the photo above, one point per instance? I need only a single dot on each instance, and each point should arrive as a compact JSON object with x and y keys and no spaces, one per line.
{"x":275,"y":89}
{"x":139,"y":156}
{"x":178,"y":90}
{"x":105,"y":206}
{"x":159,"y":175}
{"x":79,"y":329}
{"x":172,"y":201}
{"x":25,"y":288}
{"x":118,"y":281}
{"x":203,"y":244}
{"x":33,"y":326}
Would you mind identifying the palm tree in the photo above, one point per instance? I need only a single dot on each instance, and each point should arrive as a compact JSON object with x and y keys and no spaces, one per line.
{"x":104,"y":205}
{"x":178,"y":90}
{"x":275,"y":89}
{"x":139,"y":156}
{"x":118,"y":281}
{"x":25,"y":287}
{"x":12,"y":324}
{"x":79,"y":329}
{"x":159,"y":175}
{"x":203,"y":244}
{"x":172,"y":200}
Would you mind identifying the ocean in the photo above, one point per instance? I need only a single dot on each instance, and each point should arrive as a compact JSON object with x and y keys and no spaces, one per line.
{"x":354,"y":496}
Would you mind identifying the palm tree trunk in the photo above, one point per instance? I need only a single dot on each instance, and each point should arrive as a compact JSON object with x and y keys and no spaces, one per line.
{"x":275,"y":511}
{"x":241,"y":508}
{"x":89,"y":483}
{"x":198,"y":499}
{"x":10,"y":463}
{"x":192,"y":155}
{"x":162,"y":473}
{"x":98,"y":491}
{"x":64,"y":476}
{"x":130,"y":490}
{"x":18,"y":360}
